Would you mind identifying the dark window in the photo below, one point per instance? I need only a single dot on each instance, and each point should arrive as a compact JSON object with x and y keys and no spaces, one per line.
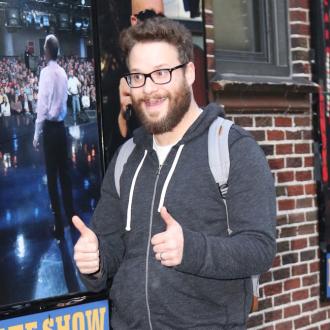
{"x":251,"y":37}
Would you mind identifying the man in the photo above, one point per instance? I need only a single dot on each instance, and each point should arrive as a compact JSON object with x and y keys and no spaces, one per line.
{"x":74,"y":86}
{"x":164,"y":240}
{"x":141,"y":10}
{"x":51,"y":111}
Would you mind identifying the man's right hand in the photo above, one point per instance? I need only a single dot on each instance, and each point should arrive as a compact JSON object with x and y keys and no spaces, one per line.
{"x":86,"y":250}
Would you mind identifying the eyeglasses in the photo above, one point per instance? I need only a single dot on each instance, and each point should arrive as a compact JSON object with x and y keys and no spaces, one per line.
{"x":159,"y":77}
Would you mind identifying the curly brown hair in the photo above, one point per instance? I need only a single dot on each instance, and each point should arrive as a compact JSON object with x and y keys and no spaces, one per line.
{"x":159,"y":29}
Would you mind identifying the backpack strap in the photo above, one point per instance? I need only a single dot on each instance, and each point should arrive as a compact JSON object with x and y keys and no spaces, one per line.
{"x":124,"y":152}
{"x":219,"y":161}
{"x":219,"y":153}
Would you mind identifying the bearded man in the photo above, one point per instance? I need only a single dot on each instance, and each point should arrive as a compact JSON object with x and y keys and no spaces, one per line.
{"x":163,"y":238}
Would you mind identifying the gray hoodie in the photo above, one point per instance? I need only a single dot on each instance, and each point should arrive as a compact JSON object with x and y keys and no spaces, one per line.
{"x":211,"y":288}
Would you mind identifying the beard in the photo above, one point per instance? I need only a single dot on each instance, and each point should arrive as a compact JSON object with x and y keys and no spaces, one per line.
{"x":179,"y":102}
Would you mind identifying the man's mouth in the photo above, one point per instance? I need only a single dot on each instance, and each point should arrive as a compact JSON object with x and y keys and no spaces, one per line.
{"x":154,"y":101}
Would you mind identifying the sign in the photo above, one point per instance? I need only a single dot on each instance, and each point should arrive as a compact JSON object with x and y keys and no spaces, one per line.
{"x":90,"y":316}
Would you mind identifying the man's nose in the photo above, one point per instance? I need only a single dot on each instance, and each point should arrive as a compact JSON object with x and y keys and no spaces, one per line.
{"x":149,"y":86}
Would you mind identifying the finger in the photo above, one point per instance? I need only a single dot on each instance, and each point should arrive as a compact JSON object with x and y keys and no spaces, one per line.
{"x":88,"y":270}
{"x":88,"y":264}
{"x":164,"y":247}
{"x":158,"y":239}
{"x":80,"y":225}
{"x":168,"y":219}
{"x":79,"y":256}
{"x":85,"y":246}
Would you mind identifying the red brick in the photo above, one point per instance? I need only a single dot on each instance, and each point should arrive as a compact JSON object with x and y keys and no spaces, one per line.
{"x":298,"y":15}
{"x":265,"y":304}
{"x":319,"y":316}
{"x":283,"y":246}
{"x":258,"y":135}
{"x":290,"y":258}
{"x":299,"y":270}
{"x":301,"y":322}
{"x":281,"y":274}
{"x":311,"y":215}
{"x":292,"y":284}
{"x":272,"y":289}
{"x":243,"y":121}
{"x":296,"y":218}
{"x":310,"y":189}
{"x":296,"y":135}
{"x":284,"y":325}
{"x":283,"y":121}
{"x":314,"y":267}
{"x":310,"y":280}
{"x":264,"y":121}
{"x":285,"y":176}
{"x":307,"y":255}
{"x":309,"y":306}
{"x":306,"y":229}
{"x":295,"y":190}
{"x":304,"y":202}
{"x":302,"y":148}
{"x":291,"y":311}
{"x":276,"y":164}
{"x":294,"y":162}
{"x":300,"y":67}
{"x":286,"y":205}
{"x":309,"y":161}
{"x":299,"y":4}
{"x":265,"y":278}
{"x":300,"y":29}
{"x":300,"y":295}
{"x":288,"y":232}
{"x":284,"y":149}
{"x":307,"y":135}
{"x":282,"y":299}
{"x":299,"y":244}
{"x":300,"y":55}
{"x":304,"y":175}
{"x":273,"y":315}
{"x":315,"y":291}
{"x":275,"y":135}
{"x":302,"y":121}
{"x":313,"y":241}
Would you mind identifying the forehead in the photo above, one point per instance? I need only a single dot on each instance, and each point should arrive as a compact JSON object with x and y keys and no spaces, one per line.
{"x":146,"y":56}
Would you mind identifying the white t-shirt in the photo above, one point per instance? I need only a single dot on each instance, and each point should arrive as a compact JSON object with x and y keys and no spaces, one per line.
{"x":162,"y":151}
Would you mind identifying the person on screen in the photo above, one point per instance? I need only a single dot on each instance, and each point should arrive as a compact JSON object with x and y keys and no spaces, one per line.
{"x":161,"y":231}
{"x":74,"y":86}
{"x":51,"y":111}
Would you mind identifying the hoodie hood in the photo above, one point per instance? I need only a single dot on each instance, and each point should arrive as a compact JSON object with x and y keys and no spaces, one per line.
{"x":144,"y":140}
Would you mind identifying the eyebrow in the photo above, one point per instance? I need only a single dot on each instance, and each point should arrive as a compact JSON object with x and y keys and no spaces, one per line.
{"x":157,"y":67}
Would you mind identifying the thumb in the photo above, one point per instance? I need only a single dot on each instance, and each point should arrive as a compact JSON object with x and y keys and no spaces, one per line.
{"x":168,"y":219}
{"x":80,"y":225}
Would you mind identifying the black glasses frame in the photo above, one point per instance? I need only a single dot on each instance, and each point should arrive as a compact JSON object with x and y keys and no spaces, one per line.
{"x":148,"y":75}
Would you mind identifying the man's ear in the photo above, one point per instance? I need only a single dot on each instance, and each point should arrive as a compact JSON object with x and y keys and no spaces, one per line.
{"x":190,"y":73}
{"x":134,"y":20}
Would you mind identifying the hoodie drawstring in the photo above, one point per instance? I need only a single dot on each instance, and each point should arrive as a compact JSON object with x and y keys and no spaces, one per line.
{"x":169,"y":176}
{"x":131,"y":192}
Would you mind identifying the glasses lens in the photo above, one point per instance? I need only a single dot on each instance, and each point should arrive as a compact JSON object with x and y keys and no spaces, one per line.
{"x":135,"y":79}
{"x":161,"y":76}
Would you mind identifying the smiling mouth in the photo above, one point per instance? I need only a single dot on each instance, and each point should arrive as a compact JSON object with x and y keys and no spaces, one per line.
{"x":154,"y":102}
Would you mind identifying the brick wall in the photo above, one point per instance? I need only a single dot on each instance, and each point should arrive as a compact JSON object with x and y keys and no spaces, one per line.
{"x":290,"y":291}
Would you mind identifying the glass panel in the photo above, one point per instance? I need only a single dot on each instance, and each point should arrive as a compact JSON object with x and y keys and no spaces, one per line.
{"x":44,"y":186}
{"x":237,"y":25}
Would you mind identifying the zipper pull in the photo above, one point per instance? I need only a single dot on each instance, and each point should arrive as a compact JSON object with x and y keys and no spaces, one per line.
{"x":159,"y":168}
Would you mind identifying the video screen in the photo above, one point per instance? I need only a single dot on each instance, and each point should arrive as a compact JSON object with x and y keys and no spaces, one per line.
{"x":43,"y":185}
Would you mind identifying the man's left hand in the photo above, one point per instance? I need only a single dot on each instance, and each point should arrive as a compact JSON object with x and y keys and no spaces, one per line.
{"x":168,"y":245}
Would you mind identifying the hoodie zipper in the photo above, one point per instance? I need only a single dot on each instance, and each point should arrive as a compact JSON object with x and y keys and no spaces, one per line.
{"x":148,"y":247}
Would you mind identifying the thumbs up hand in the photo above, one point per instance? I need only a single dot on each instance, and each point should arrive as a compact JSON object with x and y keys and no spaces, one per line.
{"x":86,"y":250}
{"x":168,"y":245}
